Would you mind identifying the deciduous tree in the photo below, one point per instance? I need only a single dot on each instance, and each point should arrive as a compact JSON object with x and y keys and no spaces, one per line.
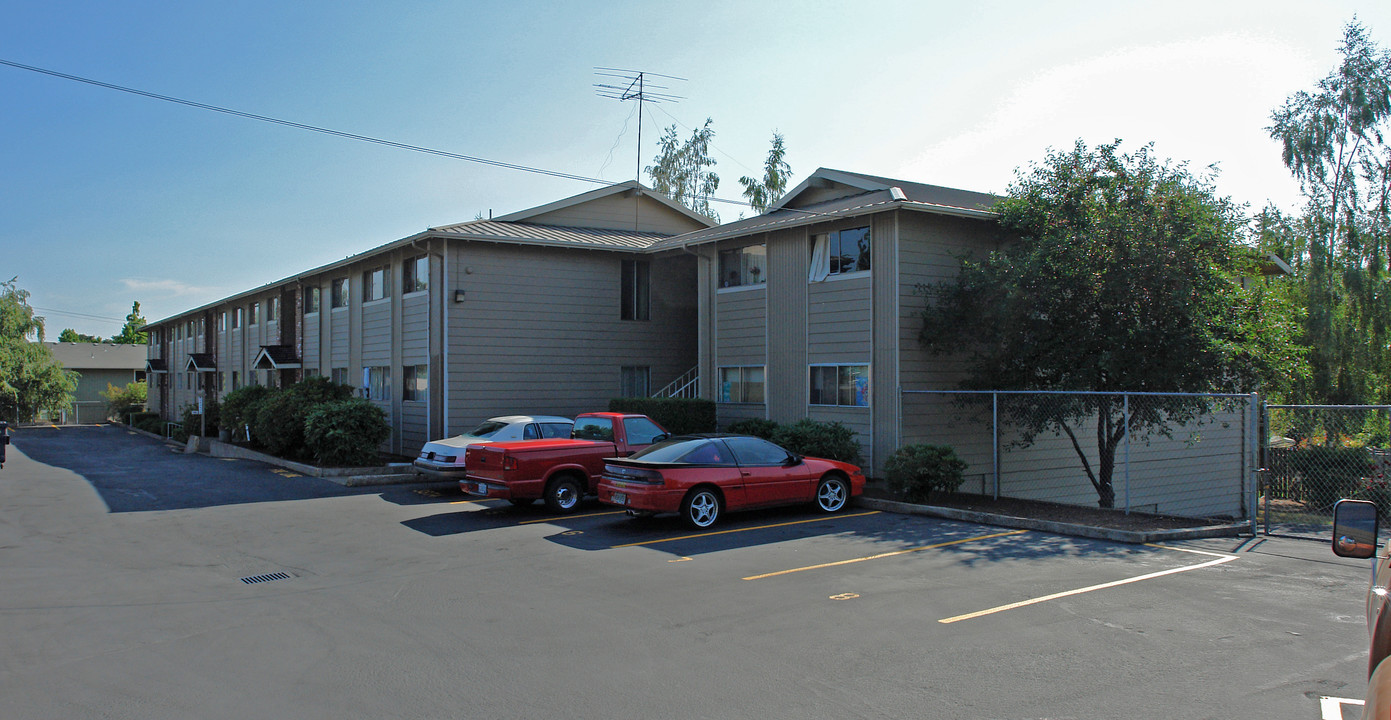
{"x":761,"y":194}
{"x":1122,"y":275}
{"x":682,"y":170}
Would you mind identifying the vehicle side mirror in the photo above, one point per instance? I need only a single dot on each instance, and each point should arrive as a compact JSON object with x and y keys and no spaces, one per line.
{"x":793,"y":459}
{"x":1355,"y":529}
{"x":659,"y":437}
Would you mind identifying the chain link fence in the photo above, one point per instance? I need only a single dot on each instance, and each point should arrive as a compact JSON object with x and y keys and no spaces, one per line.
{"x":1318,"y":454}
{"x":1180,"y":455}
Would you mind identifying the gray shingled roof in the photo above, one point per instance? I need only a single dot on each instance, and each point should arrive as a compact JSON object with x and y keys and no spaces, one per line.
{"x":553,"y":235}
{"x":98,"y":356}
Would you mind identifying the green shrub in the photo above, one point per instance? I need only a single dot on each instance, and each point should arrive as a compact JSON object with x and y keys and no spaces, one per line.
{"x":320,"y":389}
{"x":918,"y":470}
{"x":1330,"y":473}
{"x":193,"y":423}
{"x":680,"y":416}
{"x":830,"y":440}
{"x":147,"y":421}
{"x":240,"y":406}
{"x":278,"y":425}
{"x":121,"y":401}
{"x":757,"y":427}
{"x":346,"y":433}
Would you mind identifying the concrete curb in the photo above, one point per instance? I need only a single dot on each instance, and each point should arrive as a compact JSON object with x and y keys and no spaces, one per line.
{"x":1057,"y":528}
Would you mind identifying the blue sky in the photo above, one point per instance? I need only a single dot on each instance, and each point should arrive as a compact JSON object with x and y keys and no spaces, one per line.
{"x":107,"y":197}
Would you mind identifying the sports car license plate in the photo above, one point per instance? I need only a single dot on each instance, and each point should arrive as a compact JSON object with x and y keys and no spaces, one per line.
{"x":620,"y":498}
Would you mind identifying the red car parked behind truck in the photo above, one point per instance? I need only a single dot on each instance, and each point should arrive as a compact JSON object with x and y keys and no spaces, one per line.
{"x":561,"y":472}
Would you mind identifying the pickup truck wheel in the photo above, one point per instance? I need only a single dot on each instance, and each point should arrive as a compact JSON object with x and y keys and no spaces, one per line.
{"x":701,"y":508}
{"x":832,"y":493}
{"x":521,"y":502}
{"x":563,"y":494}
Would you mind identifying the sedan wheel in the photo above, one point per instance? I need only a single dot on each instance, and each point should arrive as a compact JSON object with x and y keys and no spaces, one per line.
{"x":701,"y":509}
{"x":563,"y":494}
{"x":832,"y":493}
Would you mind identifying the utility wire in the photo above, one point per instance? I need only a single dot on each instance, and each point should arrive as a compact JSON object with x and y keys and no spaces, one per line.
{"x":77,"y":314}
{"x":302,"y":126}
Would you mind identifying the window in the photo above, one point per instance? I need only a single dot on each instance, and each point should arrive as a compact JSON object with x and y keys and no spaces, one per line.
{"x":311,"y":300}
{"x":339,"y":376}
{"x":741,"y":384}
{"x":634,"y":381}
{"x":222,"y":321}
{"x":744,"y":266}
{"x":254,"y":314}
{"x":593,"y":428}
{"x":140,"y":376}
{"x":415,"y":274}
{"x":642,"y":431}
{"x":273,"y":310}
{"x":374,"y":284}
{"x":840,"y":252}
{"x":377,"y":383}
{"x":754,"y":451}
{"x":415,"y":383}
{"x":846,"y":385}
{"x":635,"y":296}
{"x":236,"y":318}
{"x":340,"y":292}
{"x":236,"y":380}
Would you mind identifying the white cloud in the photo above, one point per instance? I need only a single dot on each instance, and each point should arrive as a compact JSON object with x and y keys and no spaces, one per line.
{"x":1203,"y":101}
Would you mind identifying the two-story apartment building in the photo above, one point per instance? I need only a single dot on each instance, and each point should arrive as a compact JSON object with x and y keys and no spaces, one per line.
{"x":550,"y":310}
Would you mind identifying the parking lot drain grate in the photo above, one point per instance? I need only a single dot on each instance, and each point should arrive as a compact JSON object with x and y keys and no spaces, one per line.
{"x":253,"y":579}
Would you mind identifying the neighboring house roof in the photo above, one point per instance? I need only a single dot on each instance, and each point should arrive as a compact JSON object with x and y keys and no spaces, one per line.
{"x":98,"y":356}
{"x":833,"y":194}
{"x":550,"y":235}
{"x":276,"y":357}
{"x":201,"y":362}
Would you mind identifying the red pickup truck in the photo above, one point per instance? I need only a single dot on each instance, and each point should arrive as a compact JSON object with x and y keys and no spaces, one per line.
{"x":561,"y":472}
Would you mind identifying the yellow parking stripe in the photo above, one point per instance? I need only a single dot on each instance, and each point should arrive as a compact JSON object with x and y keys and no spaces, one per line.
{"x":880,"y":556}
{"x":735,"y":530}
{"x":559,"y":517}
{"x":1024,"y":603}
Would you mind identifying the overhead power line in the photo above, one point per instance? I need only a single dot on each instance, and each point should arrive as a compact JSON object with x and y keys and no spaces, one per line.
{"x":303,"y":126}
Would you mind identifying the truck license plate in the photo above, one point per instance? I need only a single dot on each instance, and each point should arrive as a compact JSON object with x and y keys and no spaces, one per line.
{"x":620,"y":498}
{"x":482,"y":489}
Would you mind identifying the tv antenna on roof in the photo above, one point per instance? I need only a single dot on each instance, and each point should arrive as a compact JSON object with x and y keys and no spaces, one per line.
{"x":634,"y":85}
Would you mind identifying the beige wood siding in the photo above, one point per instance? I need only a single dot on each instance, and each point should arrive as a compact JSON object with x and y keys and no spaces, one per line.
{"x":617,"y":212}
{"x":340,"y":325}
{"x":839,"y":318}
{"x":539,"y":330}
{"x":789,"y":254}
{"x":376,"y":334}
{"x":415,"y":329}
{"x":743,"y":318}
{"x":311,"y":344}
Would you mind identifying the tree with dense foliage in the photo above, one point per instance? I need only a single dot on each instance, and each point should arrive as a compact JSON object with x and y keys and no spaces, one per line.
{"x":682,"y":170}
{"x":1333,"y":141}
{"x":122,"y":401}
{"x":71,"y":336}
{"x":1125,"y":276}
{"x":31,"y":381}
{"x":132,"y":333}
{"x":761,"y":194}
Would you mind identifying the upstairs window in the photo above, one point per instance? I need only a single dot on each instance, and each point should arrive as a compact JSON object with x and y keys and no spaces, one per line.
{"x":340,"y":292}
{"x":222,"y":322}
{"x":635,"y":295}
{"x":744,"y":266}
{"x":374,"y":284}
{"x":839,"y":253}
{"x":255,"y":314}
{"x":311,"y":300}
{"x":415,"y":274}
{"x":236,"y":318}
{"x":273,"y":310}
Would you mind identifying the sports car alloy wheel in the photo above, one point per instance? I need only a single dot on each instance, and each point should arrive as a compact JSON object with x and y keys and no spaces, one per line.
{"x":831,"y":494}
{"x":701,"y":509}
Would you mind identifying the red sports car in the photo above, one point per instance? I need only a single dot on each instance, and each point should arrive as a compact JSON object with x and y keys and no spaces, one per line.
{"x":701,"y":476}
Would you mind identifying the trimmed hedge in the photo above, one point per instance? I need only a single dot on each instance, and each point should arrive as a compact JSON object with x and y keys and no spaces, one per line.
{"x":147,"y":421}
{"x":679,"y":416}
{"x":193,"y":423}
{"x":830,"y":440}
{"x":346,"y":433}
{"x":240,"y":406}
{"x":757,"y":427}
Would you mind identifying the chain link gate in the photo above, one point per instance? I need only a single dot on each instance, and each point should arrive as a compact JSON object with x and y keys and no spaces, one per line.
{"x":1318,"y":454}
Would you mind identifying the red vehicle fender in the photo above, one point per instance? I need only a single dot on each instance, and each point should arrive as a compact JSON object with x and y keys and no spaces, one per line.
{"x":571,"y":469}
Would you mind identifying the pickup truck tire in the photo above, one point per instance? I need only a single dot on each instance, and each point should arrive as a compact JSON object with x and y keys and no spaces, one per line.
{"x":832,"y":493}
{"x":701,"y":508}
{"x":563,"y":493}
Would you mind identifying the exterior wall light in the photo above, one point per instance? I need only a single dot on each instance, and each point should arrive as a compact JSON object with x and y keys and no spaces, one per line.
{"x":458,"y":296}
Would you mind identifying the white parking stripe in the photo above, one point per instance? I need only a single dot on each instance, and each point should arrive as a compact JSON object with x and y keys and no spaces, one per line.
{"x":1116,"y":583}
{"x":1331,"y":708}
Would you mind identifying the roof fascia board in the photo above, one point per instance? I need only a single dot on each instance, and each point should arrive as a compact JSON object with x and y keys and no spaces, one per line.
{"x":850,"y":213}
{"x":582,"y":198}
{"x":827,"y":174}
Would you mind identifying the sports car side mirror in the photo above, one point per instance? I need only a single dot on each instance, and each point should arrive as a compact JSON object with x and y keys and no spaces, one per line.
{"x":793,"y":459}
{"x":1354,"y":529}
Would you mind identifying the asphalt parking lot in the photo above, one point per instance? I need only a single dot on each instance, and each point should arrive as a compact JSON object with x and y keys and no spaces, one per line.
{"x":143,"y":583}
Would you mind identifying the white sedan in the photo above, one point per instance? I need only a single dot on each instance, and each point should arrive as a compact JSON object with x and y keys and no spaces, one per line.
{"x":444,"y":459}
